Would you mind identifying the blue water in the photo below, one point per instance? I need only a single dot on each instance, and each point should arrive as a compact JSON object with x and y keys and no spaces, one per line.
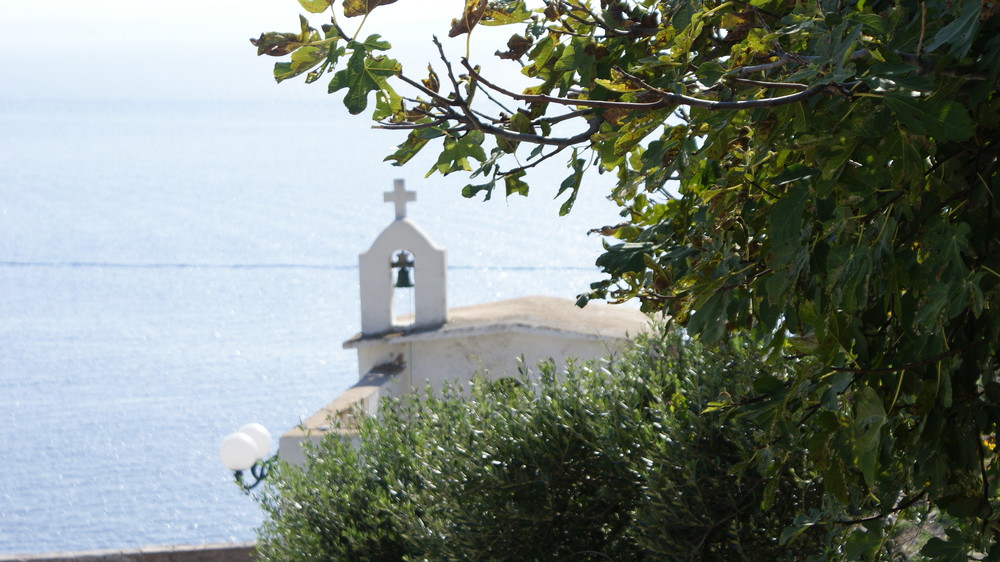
{"x":172,"y":270}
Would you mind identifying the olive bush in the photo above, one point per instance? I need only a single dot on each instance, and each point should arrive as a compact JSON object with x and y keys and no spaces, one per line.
{"x":621,"y":459}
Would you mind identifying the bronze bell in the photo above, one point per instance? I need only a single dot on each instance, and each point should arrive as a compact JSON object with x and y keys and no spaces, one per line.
{"x":403,"y":280}
{"x":403,"y":262}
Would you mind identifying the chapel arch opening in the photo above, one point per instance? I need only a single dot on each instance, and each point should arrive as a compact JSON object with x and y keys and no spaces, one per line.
{"x":404,"y":287}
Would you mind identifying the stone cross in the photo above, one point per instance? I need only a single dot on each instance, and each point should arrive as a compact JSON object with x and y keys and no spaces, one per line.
{"x":400,"y":197}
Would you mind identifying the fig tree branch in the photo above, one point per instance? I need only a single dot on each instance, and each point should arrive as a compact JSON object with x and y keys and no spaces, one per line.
{"x":667,"y":99}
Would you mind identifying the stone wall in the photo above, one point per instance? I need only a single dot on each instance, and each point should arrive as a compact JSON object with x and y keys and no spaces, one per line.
{"x":199,"y":553}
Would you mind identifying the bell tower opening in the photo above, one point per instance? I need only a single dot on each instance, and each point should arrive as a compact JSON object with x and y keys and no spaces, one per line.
{"x":404,"y":305}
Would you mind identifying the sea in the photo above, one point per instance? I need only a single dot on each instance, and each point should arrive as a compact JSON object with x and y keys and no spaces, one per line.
{"x":172,"y":270}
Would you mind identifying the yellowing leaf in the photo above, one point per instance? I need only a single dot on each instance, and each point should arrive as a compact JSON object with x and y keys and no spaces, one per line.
{"x":315,"y":6}
{"x":474,"y":10}
{"x":517,"y":46}
{"x":495,"y":16}
{"x":616,"y":86}
{"x":354,"y":8}
{"x":432,"y":82}
{"x":634,"y":131}
{"x":621,"y":82}
{"x":278,"y":44}
{"x":303,"y":60}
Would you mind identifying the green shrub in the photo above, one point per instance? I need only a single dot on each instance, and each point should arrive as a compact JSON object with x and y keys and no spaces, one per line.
{"x":611,"y":460}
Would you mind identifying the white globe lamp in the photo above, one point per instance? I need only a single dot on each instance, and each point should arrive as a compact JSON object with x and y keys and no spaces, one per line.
{"x":238,"y":451}
{"x":261,"y":438}
{"x":246,"y":450}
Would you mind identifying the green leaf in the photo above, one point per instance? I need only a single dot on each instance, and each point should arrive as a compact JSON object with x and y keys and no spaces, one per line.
{"x":768,"y":384}
{"x":786,"y":222}
{"x":576,"y":58}
{"x":947,"y":120}
{"x":941,"y":550}
{"x":624,"y":258}
{"x":388,"y":104}
{"x":835,"y":481}
{"x":691,"y":29}
{"x":709,"y":73}
{"x":374,"y":42}
{"x":363,"y":74}
{"x":960,"y":32}
{"x":571,"y":183}
{"x":862,"y":544}
{"x":800,"y":524}
{"x":869,"y":418}
{"x":414,"y":142}
{"x":709,"y":320}
{"x":935,"y":303}
{"x":470,"y":191}
{"x":949,"y":243}
{"x":850,"y":270}
{"x":456,"y":152}
{"x":514,"y":183}
{"x":898,"y":75}
{"x":787,"y":253}
{"x":838,"y":383}
{"x":683,"y":15}
{"x":540,"y":55}
{"x":873,"y":23}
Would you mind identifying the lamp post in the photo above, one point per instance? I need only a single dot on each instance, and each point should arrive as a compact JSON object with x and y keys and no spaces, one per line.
{"x":246,"y":450}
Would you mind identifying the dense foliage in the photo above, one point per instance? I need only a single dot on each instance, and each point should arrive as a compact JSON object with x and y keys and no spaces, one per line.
{"x":610,"y":461}
{"x":822,"y":174}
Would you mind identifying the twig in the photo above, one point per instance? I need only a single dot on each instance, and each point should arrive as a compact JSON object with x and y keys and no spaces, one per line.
{"x":409,"y":126}
{"x":595,"y":125}
{"x":782,"y":61}
{"x":340,"y":30}
{"x":916,"y":60}
{"x":489,"y":118}
{"x":912,"y":365}
{"x":667,"y":99}
{"x":762,"y":84}
{"x":492,"y":99}
{"x":451,"y":74}
{"x":563,"y":117}
{"x":441,"y":100}
{"x":900,"y":507}
{"x":762,"y":188}
{"x":535,"y":163}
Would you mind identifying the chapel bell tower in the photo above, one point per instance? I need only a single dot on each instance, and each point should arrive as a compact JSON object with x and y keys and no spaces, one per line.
{"x":403,"y":246}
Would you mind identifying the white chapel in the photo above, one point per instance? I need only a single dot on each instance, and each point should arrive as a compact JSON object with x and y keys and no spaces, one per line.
{"x":399,"y":350}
